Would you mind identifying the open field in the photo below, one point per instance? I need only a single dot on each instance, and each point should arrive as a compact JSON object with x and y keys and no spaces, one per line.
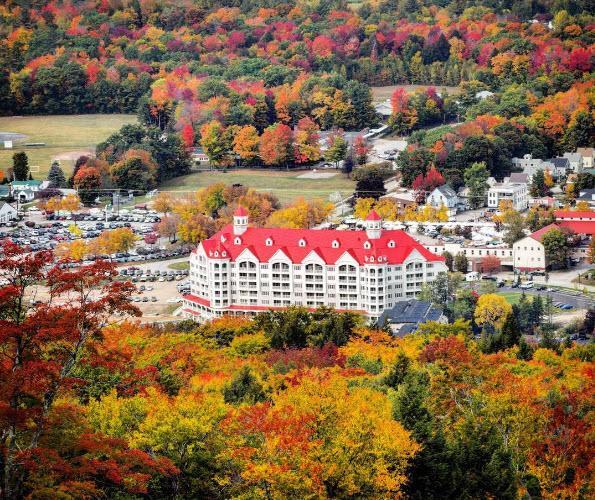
{"x":66,"y":137}
{"x":380,"y":94}
{"x":285,"y":185}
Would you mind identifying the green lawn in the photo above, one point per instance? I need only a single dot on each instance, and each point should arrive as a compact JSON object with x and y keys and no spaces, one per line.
{"x":512,"y":297}
{"x":285,"y":185}
{"x":180,"y":266}
{"x":66,"y":137}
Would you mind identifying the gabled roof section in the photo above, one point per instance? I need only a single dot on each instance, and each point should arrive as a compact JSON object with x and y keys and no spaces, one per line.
{"x":447,"y":191}
{"x":320,"y":242}
{"x":538,"y":235}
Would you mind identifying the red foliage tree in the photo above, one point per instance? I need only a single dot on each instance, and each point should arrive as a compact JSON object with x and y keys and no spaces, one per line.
{"x":42,"y":344}
{"x":490,"y":264}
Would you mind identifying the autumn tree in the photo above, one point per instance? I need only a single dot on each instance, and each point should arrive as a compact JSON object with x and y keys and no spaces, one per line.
{"x":64,"y":326}
{"x":136,"y":171}
{"x":168,"y":226}
{"x":361,"y":149}
{"x":276,"y":145}
{"x":492,"y":310}
{"x":87,"y":181}
{"x":301,"y":214}
{"x":307,"y":147}
{"x":245,"y":143}
{"x":490,"y":264}
{"x":215,"y":142}
{"x":538,"y":186}
{"x":337,"y":148}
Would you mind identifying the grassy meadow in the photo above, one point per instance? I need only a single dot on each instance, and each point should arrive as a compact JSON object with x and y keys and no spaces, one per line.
{"x":66,"y":137}
{"x":286,"y":185}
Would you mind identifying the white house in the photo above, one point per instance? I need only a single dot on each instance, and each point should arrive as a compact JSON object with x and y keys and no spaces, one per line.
{"x":587,"y":155}
{"x":444,"y":196}
{"x":7,"y":212}
{"x":575,"y":161}
{"x":517,"y":193}
{"x":25,"y":191}
{"x":529,"y":252}
{"x":243,"y":270}
{"x":530,"y":165}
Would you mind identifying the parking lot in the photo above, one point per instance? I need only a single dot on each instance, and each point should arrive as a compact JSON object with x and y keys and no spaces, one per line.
{"x":158,"y":288}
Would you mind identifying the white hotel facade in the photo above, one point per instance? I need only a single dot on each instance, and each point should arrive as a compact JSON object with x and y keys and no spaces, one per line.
{"x":245,"y":270}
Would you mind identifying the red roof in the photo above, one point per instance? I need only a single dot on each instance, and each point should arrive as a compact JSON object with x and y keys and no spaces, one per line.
{"x":574,"y":214}
{"x":393,"y":247}
{"x":579,"y":226}
{"x":197,"y":299}
{"x":373,"y":215}
{"x":241,"y":211}
{"x":537,"y":235}
{"x":245,"y":307}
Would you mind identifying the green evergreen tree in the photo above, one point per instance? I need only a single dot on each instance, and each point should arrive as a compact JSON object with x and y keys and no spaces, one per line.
{"x":20,"y":166}
{"x":525,"y":351}
{"x":511,"y":332}
{"x":398,"y":372}
{"x":244,"y":388}
{"x":56,"y":176}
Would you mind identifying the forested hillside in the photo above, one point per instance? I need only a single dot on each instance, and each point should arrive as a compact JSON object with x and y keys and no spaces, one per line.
{"x":294,"y":404}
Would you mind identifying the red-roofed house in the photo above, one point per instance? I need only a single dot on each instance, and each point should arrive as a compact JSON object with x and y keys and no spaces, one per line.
{"x":529,"y":253}
{"x":574,"y":215}
{"x":243,"y":270}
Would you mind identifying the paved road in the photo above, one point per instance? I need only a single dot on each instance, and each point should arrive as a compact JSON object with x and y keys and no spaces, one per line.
{"x":577,"y":301}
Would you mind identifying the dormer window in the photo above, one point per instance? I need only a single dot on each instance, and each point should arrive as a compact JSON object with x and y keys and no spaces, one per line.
{"x":216,"y":253}
{"x":223,"y":239}
{"x":269,"y":242}
{"x":237,"y":241}
{"x":302,"y":242}
{"x":224,"y":253}
{"x":391,"y":244}
{"x":367,"y":245}
{"x":335,"y":244}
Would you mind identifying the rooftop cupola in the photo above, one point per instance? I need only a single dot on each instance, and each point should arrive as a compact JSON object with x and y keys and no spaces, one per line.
{"x":240,"y":220}
{"x":373,"y":225}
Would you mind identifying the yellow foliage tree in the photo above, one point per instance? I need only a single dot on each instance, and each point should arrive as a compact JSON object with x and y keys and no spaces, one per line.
{"x":363,"y":206}
{"x":387,"y":209}
{"x":492,"y":309}
{"x":583,"y":206}
{"x":301,"y":214}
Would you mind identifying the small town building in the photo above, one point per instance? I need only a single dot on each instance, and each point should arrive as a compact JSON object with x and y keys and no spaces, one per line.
{"x":8,"y":213}
{"x":587,"y":195}
{"x":587,"y":155}
{"x":25,"y":191}
{"x":516,"y":193}
{"x":406,"y":316}
{"x":529,"y":252}
{"x":444,"y":196}
{"x":575,"y":161}
{"x":519,"y":178}
{"x":529,"y":165}
{"x":560,"y":167}
{"x":198,"y":155}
